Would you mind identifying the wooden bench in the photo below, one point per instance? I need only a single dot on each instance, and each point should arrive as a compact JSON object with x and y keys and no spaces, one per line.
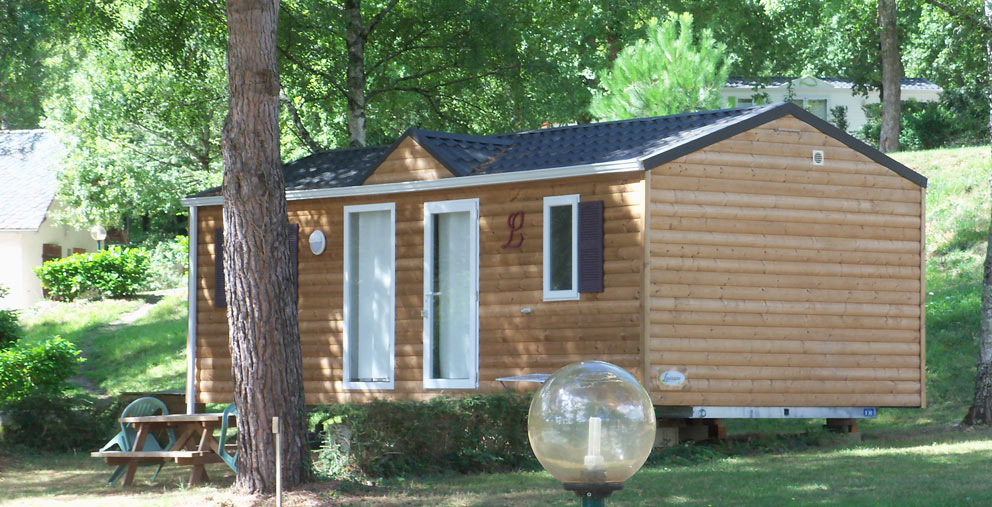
{"x":150,"y":457}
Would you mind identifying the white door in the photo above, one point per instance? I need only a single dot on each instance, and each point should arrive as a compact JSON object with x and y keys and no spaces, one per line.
{"x":451,"y":294}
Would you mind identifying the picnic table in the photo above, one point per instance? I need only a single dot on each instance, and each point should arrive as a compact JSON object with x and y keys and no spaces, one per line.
{"x":195,"y":444}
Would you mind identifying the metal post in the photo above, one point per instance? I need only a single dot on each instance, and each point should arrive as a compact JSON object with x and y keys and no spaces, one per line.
{"x":275,"y":429}
{"x":593,"y":502}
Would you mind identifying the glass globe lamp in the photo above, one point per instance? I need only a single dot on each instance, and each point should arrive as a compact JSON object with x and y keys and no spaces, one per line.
{"x":98,"y":233}
{"x":591,"y":425}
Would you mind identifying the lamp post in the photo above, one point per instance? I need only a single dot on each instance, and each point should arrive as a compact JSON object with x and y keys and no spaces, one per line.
{"x":591,"y":425}
{"x":98,"y":234}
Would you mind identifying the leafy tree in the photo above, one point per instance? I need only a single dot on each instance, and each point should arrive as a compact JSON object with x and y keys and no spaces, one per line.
{"x":139,"y":134}
{"x":32,"y":32}
{"x":471,"y":66}
{"x":24,"y":36}
{"x":752,"y":31}
{"x":667,"y":73}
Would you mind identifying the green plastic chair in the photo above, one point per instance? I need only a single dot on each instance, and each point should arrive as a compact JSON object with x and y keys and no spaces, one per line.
{"x":230,"y":459}
{"x":125,"y":439}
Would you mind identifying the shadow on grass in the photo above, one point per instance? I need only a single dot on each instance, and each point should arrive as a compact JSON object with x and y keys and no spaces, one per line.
{"x":58,"y":478}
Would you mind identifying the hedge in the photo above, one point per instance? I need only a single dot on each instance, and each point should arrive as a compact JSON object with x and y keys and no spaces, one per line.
{"x":483,"y":433}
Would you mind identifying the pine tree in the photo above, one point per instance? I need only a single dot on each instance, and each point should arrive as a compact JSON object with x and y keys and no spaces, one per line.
{"x":670,"y":72}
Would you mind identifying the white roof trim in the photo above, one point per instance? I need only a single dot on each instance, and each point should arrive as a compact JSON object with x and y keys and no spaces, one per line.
{"x":619,"y":166}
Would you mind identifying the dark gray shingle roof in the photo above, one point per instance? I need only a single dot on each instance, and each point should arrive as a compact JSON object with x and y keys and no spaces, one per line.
{"x":28,"y":166}
{"x":651,"y":141}
{"x":346,"y":167}
{"x":593,"y":143}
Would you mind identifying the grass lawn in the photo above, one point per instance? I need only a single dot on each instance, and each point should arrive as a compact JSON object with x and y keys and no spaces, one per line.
{"x":148,"y":354}
{"x":941,"y":468}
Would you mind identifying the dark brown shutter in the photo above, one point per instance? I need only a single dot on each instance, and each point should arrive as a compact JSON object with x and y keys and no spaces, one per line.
{"x":591,"y":246}
{"x":220,"y":292}
{"x":294,"y":254}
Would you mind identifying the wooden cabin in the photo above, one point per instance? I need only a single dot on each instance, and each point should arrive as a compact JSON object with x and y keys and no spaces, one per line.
{"x":749,"y":259}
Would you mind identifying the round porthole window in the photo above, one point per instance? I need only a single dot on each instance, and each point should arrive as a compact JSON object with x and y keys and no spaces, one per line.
{"x":317,"y":242}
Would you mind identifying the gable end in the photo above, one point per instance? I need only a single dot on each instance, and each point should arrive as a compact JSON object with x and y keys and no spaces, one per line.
{"x":775,"y":113}
{"x":408,"y":160}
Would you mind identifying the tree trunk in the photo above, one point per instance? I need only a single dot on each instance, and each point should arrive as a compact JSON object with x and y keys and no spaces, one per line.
{"x":355,"y":34}
{"x":981,"y":408}
{"x":261,"y":304}
{"x":891,"y":76}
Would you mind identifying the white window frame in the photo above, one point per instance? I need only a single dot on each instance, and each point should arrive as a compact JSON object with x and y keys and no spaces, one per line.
{"x":430,"y":208}
{"x":346,"y":359}
{"x":573,"y":293}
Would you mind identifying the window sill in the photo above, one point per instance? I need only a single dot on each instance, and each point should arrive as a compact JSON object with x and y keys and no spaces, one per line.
{"x":369,"y":386}
{"x":561,"y":297}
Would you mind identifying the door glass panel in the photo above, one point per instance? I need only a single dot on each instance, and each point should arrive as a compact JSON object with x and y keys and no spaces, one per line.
{"x":452,"y":296}
{"x":370,"y":281}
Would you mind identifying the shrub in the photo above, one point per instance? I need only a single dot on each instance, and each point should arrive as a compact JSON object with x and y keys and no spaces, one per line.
{"x":10,"y":328}
{"x":398,"y":438}
{"x":64,"y":279}
{"x":927,"y":125}
{"x":56,"y":422}
{"x":118,"y":272}
{"x":114,"y":272}
{"x":838,"y":116}
{"x":168,"y":263}
{"x":44,"y":368}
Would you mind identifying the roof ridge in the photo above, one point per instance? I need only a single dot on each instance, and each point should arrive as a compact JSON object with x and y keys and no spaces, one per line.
{"x":460,"y":137}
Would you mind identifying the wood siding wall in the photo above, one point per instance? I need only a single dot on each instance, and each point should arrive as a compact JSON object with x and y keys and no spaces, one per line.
{"x":602,"y":326}
{"x":776,"y":282}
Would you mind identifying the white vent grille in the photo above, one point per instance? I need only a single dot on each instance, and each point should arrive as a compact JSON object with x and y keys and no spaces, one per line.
{"x":817,"y":157}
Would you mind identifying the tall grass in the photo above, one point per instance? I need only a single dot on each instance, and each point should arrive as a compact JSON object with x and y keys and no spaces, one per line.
{"x":957,"y":225}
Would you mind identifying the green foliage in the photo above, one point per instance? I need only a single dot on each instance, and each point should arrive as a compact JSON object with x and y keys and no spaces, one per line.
{"x":10,"y":328}
{"x":118,"y":272}
{"x":58,"y":422}
{"x":404,"y":438}
{"x":65,"y":279}
{"x":950,"y":51}
{"x":42,"y":368}
{"x":668,"y":73}
{"x":927,"y":125}
{"x":114,"y":272}
{"x":838,"y":116}
{"x":21,"y":56}
{"x":139,"y":134}
{"x":168,"y":263}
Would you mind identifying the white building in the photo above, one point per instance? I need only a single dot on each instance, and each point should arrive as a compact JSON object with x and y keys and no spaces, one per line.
{"x":28,"y":164}
{"x":820,"y":95}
